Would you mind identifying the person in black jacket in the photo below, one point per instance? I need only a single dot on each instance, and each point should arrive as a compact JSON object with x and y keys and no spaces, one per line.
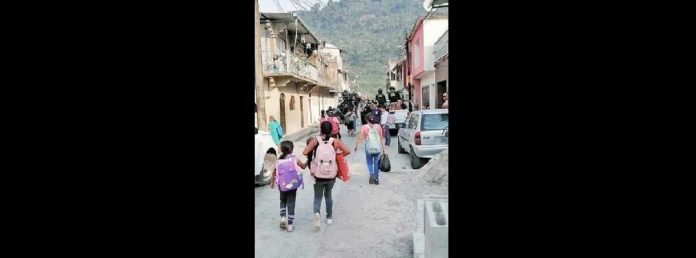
{"x":393,"y":95}
{"x":381,"y":99}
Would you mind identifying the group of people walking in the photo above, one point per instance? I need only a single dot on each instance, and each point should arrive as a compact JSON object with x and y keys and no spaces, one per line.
{"x":322,"y":153}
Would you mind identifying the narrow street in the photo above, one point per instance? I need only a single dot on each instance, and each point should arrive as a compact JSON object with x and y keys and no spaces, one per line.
{"x":368,"y":220}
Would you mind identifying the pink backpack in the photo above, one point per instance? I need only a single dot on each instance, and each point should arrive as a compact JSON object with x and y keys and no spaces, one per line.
{"x":334,"y":126}
{"x":324,"y":161}
{"x":324,"y":119}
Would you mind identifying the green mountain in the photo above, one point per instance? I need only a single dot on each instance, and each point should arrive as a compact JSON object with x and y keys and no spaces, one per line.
{"x":371,"y":32}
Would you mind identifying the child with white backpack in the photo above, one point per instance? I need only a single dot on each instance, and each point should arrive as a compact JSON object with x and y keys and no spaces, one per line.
{"x":324,"y":170}
{"x":373,"y":134}
{"x":288,"y":177}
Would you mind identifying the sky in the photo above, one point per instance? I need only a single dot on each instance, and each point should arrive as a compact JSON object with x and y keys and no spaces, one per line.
{"x":268,"y":6}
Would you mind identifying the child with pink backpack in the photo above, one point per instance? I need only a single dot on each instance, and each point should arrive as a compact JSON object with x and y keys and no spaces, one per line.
{"x":288,"y":177}
{"x":324,"y":169}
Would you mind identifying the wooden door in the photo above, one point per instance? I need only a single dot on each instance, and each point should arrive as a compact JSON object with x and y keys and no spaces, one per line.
{"x":302,"y":111}
{"x":282,"y":112}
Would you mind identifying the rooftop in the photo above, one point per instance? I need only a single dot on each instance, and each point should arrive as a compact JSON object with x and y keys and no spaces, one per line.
{"x":289,"y":19}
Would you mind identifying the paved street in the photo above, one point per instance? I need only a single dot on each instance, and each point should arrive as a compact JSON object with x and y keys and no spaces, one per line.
{"x":368,"y":220}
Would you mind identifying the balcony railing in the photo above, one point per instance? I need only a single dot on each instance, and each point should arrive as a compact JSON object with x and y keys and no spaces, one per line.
{"x":277,"y":63}
{"x":440,"y":48}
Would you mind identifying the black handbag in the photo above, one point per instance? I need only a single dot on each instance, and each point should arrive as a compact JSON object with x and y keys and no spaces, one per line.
{"x":384,"y":164}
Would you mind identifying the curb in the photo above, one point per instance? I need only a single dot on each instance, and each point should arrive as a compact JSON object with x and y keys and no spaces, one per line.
{"x":299,"y":135}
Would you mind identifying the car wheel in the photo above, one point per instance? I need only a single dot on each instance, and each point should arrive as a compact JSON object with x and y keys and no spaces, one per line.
{"x":416,"y":162}
{"x":267,"y":169}
{"x":398,"y":144}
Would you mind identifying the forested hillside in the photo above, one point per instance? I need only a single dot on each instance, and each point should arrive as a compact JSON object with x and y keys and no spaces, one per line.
{"x":371,"y":32}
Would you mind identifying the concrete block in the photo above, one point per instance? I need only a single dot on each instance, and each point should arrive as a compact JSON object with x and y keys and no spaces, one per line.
{"x":434,"y":197}
{"x":436,"y":228}
{"x":420,"y":217}
{"x":418,"y":244}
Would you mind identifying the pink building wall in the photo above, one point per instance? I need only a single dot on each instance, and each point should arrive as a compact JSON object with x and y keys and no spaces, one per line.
{"x":417,"y":67}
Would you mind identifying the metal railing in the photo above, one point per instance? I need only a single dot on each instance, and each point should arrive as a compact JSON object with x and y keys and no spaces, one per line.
{"x":277,"y":62}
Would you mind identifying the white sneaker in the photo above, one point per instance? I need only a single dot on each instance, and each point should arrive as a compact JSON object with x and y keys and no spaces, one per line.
{"x":283,"y":222}
{"x":329,"y":221}
{"x":317,"y":221}
{"x":291,"y":228}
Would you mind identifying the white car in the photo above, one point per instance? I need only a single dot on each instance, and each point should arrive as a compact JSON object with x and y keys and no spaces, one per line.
{"x":265,"y":155}
{"x":400,"y":120}
{"x":424,"y":135}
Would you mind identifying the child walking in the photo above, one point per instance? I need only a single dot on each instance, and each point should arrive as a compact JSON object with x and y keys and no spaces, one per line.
{"x":288,"y":178}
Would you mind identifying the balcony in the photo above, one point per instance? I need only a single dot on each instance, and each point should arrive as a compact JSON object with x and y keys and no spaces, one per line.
{"x":440,"y":48}
{"x":284,"y":64}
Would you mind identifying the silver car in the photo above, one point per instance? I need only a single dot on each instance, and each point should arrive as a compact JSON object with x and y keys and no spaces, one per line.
{"x":425,"y":135}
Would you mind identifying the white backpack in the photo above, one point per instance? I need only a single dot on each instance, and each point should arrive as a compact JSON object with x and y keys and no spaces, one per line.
{"x":374,"y":142}
{"x":324,"y":161}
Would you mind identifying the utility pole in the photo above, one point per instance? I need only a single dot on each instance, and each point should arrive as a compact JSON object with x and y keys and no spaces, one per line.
{"x":260,"y":92}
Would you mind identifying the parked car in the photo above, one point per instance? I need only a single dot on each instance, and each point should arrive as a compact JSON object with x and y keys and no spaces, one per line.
{"x":265,"y":157}
{"x":424,"y":135}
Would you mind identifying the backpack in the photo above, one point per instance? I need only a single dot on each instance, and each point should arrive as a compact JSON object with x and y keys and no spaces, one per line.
{"x":287,"y":176}
{"x":334,"y":126}
{"x":374,"y":142}
{"x":324,"y":161}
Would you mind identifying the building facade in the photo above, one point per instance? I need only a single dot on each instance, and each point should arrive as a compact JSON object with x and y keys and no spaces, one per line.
{"x":300,"y":75}
{"x":441,"y":54}
{"x":423,"y":70}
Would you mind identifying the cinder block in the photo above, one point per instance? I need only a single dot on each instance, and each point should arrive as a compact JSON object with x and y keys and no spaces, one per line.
{"x":434,"y":197}
{"x":418,"y":244}
{"x":420,"y":217}
{"x":436,"y":228}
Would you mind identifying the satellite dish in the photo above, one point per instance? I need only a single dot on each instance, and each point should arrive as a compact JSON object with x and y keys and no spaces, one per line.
{"x":427,"y":5}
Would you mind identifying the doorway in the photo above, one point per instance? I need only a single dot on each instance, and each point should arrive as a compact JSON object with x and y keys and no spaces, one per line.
{"x":311,"y":118}
{"x":302,"y":111}
{"x":441,"y":89}
{"x":425,"y":98}
{"x":282,"y":111}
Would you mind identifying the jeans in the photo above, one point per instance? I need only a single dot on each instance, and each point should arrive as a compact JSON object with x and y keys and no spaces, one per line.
{"x":287,"y":199}
{"x":387,"y":135}
{"x":372,"y":164}
{"x":323,"y":188}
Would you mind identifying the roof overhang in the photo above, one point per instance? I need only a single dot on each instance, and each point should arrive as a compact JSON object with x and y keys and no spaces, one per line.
{"x":439,"y":3}
{"x":289,"y":19}
{"x":415,"y":27}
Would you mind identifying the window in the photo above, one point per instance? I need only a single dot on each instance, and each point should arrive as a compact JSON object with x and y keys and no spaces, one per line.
{"x":292,"y":103}
{"x":425,"y":97}
{"x":435,"y":122}
{"x":412,"y":122}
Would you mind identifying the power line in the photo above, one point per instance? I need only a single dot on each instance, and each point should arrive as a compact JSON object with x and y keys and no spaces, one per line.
{"x":278,"y":5}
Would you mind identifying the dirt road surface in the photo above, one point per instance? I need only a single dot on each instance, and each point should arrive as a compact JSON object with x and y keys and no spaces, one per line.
{"x":368,"y":220}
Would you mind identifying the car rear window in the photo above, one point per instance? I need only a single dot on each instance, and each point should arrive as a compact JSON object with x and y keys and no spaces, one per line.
{"x":434,"y":122}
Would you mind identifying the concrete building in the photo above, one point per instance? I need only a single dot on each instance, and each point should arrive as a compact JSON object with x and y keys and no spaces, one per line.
{"x":441,"y":53}
{"x":395,"y":77}
{"x":420,"y":44}
{"x":300,"y":76}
